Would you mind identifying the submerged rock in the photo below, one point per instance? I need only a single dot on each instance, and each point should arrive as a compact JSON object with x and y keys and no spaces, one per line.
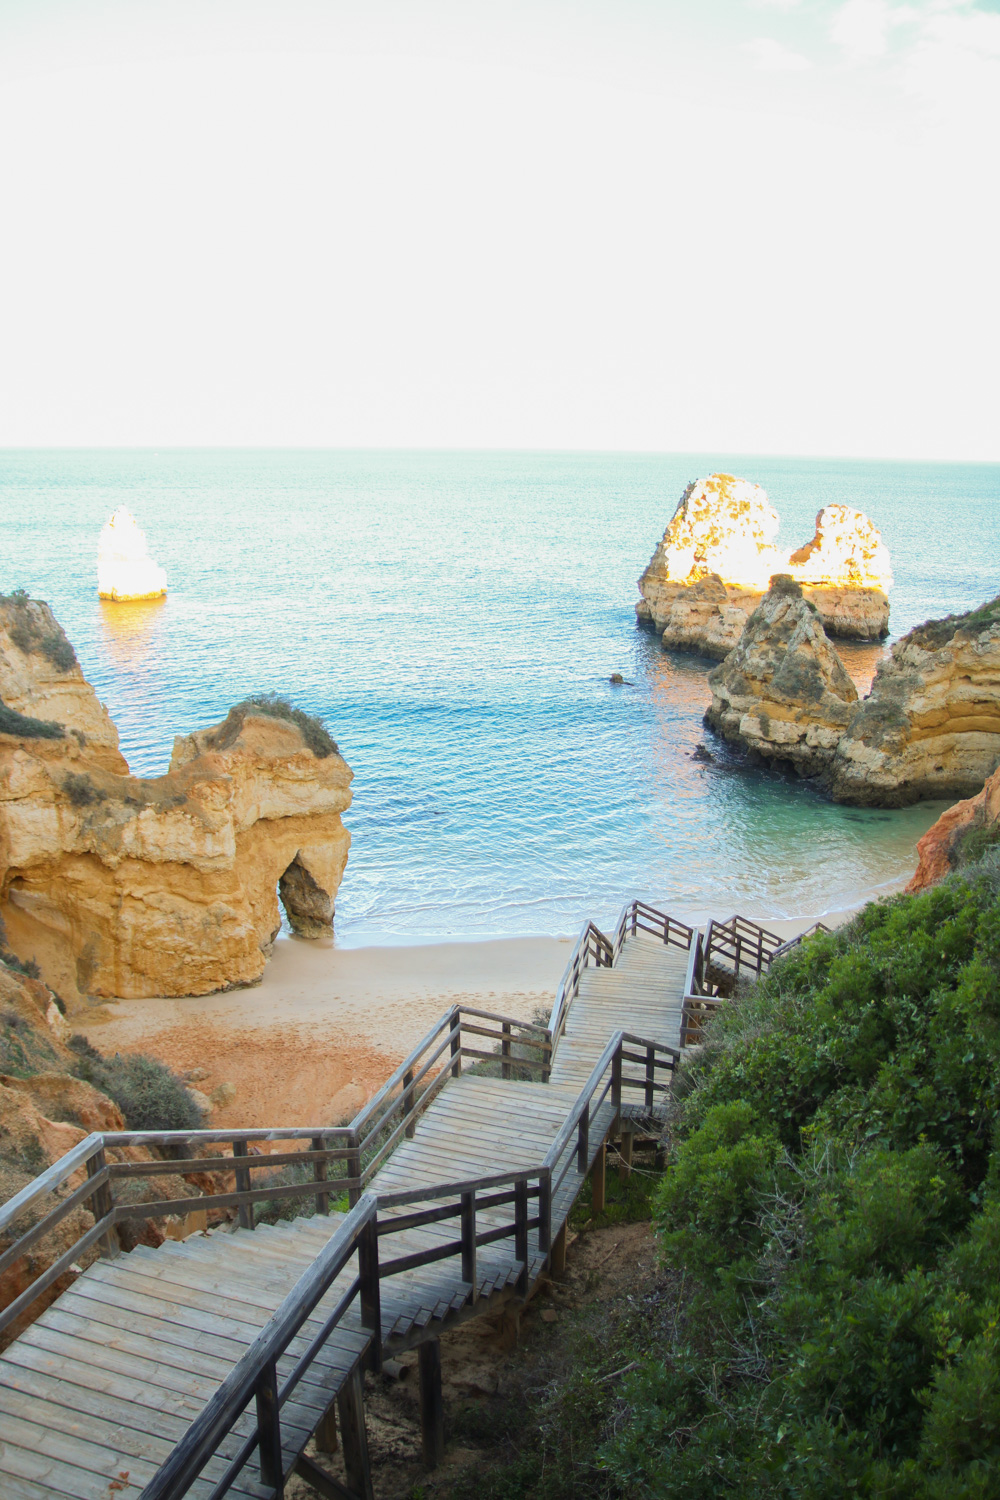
{"x":782,"y":692}
{"x":712,"y":566}
{"x":930,"y":727}
{"x":125,"y":569}
{"x":129,"y":886}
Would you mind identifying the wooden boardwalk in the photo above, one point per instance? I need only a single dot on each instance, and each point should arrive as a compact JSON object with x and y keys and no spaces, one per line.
{"x":99,"y":1391}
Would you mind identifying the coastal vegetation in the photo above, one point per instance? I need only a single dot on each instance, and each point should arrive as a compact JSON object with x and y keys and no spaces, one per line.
{"x":32,"y":629}
{"x":149,"y":1095}
{"x":312,"y":728}
{"x":826,"y":1316}
{"x":28,"y":728}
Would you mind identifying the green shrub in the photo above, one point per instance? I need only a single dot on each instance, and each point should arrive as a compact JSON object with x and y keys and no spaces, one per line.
{"x":149,"y":1095}
{"x":314,"y":731}
{"x":833,"y":1196}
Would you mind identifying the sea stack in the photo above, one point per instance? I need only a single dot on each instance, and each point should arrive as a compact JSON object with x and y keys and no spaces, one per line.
{"x":782,"y":693}
{"x":125,"y":570}
{"x":711,"y":568}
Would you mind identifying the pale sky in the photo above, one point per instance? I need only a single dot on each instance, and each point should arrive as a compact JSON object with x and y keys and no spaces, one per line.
{"x":764,"y":226}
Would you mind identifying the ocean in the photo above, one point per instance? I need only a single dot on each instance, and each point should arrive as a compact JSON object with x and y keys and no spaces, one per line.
{"x":455,"y":618}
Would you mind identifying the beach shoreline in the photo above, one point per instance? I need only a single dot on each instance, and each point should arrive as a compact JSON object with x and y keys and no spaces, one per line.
{"x":327,"y":1025}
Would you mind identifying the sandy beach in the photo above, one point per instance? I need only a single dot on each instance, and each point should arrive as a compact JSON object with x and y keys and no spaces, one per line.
{"x":327,"y":1025}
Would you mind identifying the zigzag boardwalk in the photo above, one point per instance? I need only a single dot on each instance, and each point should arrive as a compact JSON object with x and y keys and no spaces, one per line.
{"x":202,"y":1368}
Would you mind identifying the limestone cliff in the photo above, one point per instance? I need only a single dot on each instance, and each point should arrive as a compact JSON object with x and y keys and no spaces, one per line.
{"x":41,"y":679}
{"x":129,"y":886}
{"x":711,"y":568}
{"x":782,"y":692}
{"x":943,"y":846}
{"x":930,"y":727}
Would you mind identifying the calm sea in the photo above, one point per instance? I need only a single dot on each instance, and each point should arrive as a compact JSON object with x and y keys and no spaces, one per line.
{"x":455,"y":617}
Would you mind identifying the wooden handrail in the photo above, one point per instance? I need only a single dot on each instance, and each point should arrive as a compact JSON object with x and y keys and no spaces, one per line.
{"x":201,"y":1441}
{"x":793,"y":942}
{"x":53,"y":1177}
{"x":743,"y":943}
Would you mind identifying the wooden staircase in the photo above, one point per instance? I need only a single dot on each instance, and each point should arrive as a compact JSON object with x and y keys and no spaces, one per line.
{"x":203,"y":1367}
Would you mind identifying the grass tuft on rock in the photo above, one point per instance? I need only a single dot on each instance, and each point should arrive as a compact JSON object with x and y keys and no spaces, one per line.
{"x":32,"y":628}
{"x":27,"y":728}
{"x":312,"y":728}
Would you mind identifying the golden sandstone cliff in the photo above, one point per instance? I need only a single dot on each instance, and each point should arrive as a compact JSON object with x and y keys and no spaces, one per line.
{"x":712,"y":566}
{"x":930,"y":727}
{"x":782,"y":693}
{"x":130,"y":886}
{"x":950,"y":841}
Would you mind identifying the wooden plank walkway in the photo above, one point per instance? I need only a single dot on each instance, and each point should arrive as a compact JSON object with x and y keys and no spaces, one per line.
{"x":99,"y":1390}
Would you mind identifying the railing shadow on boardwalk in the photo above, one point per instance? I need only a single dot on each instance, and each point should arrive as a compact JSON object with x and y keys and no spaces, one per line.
{"x":521,"y":1211}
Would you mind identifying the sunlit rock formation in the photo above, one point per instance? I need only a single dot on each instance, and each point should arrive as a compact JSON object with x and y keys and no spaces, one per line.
{"x":782,"y":693}
{"x":846,"y":573}
{"x":712,"y":566}
{"x":125,"y":569}
{"x":930,"y":727}
{"x":129,"y":886}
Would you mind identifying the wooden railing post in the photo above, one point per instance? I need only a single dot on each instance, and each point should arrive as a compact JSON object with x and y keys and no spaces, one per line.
{"x":245,"y":1209}
{"x":547,"y":1065}
{"x":354,"y":1168}
{"x":102,"y":1202}
{"x":369,"y":1292}
{"x":650,"y":1076}
{"x":469,"y":1242}
{"x":545,"y":1211}
{"x":583,"y":1141}
{"x":269,"y":1431}
{"x":456,"y":1043}
{"x":409,"y":1099}
{"x":505,"y":1050}
{"x":635,"y":917}
{"x":319,"y":1173}
{"x":521,"y":1234}
{"x":616,"y":1086}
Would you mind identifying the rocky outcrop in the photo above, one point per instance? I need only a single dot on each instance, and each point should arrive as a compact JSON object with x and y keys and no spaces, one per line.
{"x":941,"y":849}
{"x":712,"y":566}
{"x":782,"y":693}
{"x":125,"y":570}
{"x":125,"y":886}
{"x":930,"y":727}
{"x":40,"y":679}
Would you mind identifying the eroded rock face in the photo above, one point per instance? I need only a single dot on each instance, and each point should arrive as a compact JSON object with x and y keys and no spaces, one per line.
{"x":125,"y":570}
{"x":129,"y":886}
{"x":937,"y":849}
{"x":40,"y":677}
{"x":712,"y":566}
{"x":930,"y":727}
{"x":782,"y":692}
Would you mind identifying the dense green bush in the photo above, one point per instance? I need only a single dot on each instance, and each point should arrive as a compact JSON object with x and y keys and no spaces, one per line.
{"x":832,"y":1200}
{"x":148,"y":1094}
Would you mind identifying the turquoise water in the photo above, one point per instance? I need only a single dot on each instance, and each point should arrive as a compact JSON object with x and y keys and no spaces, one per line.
{"x":455,"y":617}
